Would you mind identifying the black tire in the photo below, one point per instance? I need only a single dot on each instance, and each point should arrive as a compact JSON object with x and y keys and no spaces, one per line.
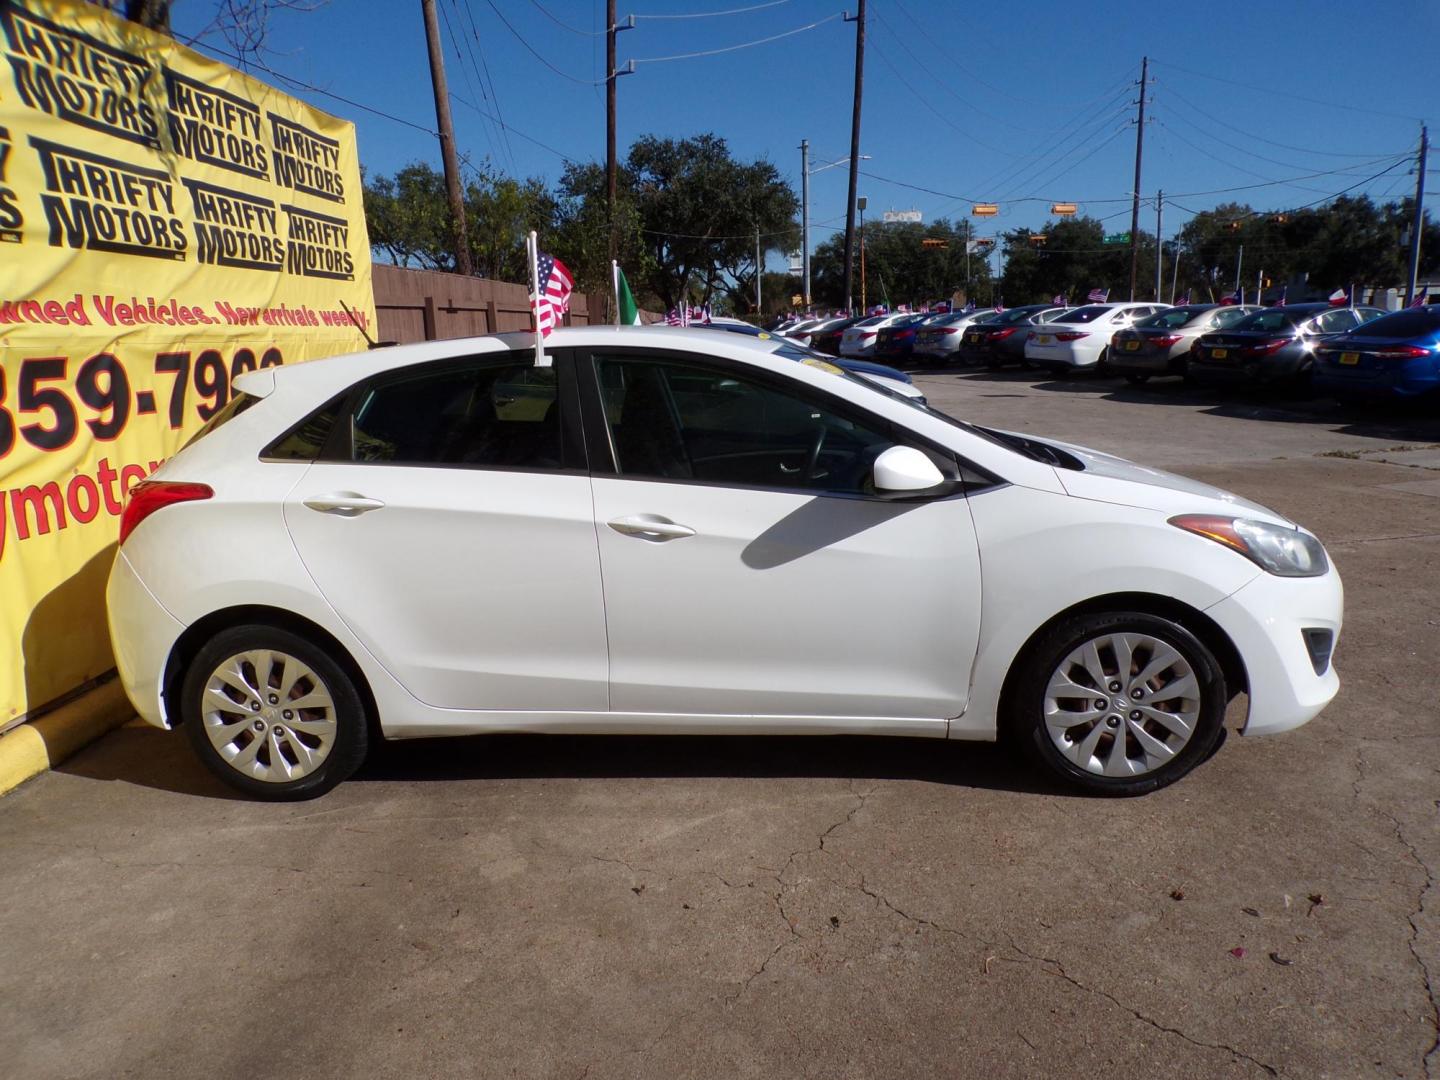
{"x":1137,"y":378}
{"x":344,"y":719}
{"x":1058,"y":371}
{"x":1024,"y":708}
{"x":994,"y":363}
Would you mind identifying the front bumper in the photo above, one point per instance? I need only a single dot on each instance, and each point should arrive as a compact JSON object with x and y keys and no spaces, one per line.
{"x":1266,"y":620}
{"x":142,"y":634}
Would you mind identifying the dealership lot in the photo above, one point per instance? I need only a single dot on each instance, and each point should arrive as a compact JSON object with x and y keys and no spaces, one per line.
{"x":705,"y":907}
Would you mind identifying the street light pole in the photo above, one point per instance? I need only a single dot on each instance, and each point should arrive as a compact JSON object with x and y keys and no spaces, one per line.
{"x":805,"y":218}
{"x":854,"y":154}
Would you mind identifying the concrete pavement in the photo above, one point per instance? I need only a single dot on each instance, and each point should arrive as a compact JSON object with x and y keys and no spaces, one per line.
{"x":577,"y":907}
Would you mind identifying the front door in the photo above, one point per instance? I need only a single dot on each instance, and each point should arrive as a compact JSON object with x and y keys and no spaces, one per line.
{"x":452,"y":530}
{"x":749,"y":568}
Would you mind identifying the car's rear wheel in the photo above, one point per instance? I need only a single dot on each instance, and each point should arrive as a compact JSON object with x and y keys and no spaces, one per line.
{"x":1118,"y":704}
{"x":272,"y":714}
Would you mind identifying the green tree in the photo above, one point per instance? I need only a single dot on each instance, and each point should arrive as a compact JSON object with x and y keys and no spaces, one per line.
{"x":901,"y":269}
{"x":699,"y":210}
{"x":408,"y":216}
{"x":1069,"y":258}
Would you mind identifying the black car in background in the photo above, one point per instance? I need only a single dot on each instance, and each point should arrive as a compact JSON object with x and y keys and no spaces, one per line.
{"x":1001,"y":340}
{"x":1273,"y":345}
{"x":827,"y":338}
{"x":897,"y":342}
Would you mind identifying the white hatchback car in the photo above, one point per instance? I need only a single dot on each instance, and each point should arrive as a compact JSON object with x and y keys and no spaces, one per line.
{"x":1079,"y":338}
{"x":688,"y":533}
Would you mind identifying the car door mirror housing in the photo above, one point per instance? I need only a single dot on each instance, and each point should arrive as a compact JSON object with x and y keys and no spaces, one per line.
{"x":904,"y":470}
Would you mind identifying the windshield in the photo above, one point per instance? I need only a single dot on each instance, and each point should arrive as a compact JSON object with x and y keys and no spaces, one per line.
{"x":1171,"y":318}
{"x":1089,"y":313}
{"x":1272,"y":319}
{"x":1011,"y":316}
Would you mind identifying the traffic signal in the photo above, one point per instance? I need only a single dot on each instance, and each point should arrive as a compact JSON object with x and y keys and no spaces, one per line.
{"x":1234,"y":226}
{"x":1038,"y":239}
{"x":1279,"y":219}
{"x":934,"y":242}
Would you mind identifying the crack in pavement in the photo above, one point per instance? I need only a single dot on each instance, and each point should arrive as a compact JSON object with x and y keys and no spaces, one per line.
{"x":1419,"y":910}
{"x":1056,"y":968}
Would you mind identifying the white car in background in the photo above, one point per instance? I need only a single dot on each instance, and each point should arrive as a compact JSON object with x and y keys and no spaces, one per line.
{"x":686,"y":533}
{"x":859,"y":340}
{"x":1078,"y":339}
{"x":938,"y":340}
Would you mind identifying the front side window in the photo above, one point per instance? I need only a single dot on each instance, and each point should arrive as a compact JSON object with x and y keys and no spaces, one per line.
{"x":678,"y":420}
{"x":1228,"y":316}
{"x":500,"y":414}
{"x":1335,"y":322}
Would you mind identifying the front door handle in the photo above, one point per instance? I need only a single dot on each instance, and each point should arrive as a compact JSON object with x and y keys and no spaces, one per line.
{"x":650,"y":527}
{"x":343,"y":503}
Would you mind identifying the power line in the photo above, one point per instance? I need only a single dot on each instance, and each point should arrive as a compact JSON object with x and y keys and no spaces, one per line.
{"x":564,"y":25}
{"x":515,"y":131}
{"x":532,"y":51}
{"x":1050,"y":179}
{"x":1171,"y":91}
{"x":299,"y":84}
{"x":497,"y":136}
{"x":1288,"y":94}
{"x":900,"y":40}
{"x":926,"y":102}
{"x":734,"y":48}
{"x":712,"y":14}
{"x":494,"y":97}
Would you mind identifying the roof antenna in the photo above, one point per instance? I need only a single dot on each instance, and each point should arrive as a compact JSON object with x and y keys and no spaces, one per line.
{"x":369,"y":341}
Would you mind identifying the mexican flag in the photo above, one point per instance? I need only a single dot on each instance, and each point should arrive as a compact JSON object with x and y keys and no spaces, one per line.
{"x":627,"y":312}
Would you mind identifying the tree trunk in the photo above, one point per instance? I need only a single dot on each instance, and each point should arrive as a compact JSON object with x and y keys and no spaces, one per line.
{"x":153,"y":14}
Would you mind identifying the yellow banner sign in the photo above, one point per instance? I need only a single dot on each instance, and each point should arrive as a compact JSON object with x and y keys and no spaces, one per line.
{"x":166,"y":224}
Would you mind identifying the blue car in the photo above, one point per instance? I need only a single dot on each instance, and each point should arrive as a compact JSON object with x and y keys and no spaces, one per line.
{"x":1396,"y":356}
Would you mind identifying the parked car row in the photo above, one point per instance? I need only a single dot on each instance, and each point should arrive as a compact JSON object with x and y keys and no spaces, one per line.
{"x":1340,"y":350}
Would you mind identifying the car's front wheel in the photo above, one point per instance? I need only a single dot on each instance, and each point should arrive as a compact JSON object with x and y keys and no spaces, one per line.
{"x":272,"y":714}
{"x":1120,"y":703}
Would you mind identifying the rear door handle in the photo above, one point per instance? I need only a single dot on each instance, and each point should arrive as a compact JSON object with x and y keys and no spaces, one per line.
{"x":343,"y":503}
{"x":650,"y":527}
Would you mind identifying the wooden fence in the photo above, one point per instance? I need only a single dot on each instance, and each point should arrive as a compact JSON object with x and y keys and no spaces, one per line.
{"x":423,"y":305}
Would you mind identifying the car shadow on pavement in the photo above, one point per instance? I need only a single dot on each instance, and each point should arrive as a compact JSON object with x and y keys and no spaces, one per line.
{"x":163,"y":761}
{"x":1400,"y":421}
{"x":968,"y":764}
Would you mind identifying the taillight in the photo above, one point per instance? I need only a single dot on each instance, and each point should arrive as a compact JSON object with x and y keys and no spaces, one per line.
{"x":1165,"y":340}
{"x":150,"y":495}
{"x":1030,"y":335}
{"x":949,"y":330}
{"x":1001,"y":335}
{"x":867,"y":333}
{"x":1072,"y":335}
{"x":1265,"y":348}
{"x":1399,"y":352}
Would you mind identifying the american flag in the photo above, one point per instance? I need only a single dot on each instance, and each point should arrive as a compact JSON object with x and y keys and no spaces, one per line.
{"x":1061,"y":299}
{"x":1098,"y":296}
{"x":1000,"y":305}
{"x":1281,"y":302}
{"x":1184,"y":299}
{"x":556,"y":284}
{"x":672,"y":317}
{"x":1421,"y":295}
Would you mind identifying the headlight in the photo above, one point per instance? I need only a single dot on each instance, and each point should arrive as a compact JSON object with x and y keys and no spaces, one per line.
{"x":1281,"y":551}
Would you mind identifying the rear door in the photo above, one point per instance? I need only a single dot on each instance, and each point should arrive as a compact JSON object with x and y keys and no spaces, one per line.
{"x":749,"y":568}
{"x":449,"y":523}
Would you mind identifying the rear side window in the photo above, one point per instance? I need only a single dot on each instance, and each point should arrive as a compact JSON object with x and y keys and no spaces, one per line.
{"x":233,"y":408}
{"x":499,"y":415}
{"x":307,"y":439}
{"x":1404,"y":324}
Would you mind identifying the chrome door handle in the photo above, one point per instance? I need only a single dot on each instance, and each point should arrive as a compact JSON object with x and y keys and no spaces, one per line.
{"x":343,"y":503}
{"x":650,"y":527}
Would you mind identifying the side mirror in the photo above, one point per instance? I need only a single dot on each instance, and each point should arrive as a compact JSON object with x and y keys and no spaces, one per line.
{"x":903,"y":469}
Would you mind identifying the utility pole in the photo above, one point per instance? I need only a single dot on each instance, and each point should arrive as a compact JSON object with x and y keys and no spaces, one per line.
{"x":1419,"y":224}
{"x":1159,"y":246}
{"x":447,"y":140}
{"x":1135,"y":206}
{"x":1175,"y":273}
{"x":1239,"y":262}
{"x":862,"y":255}
{"x":611,"y":76}
{"x":805,"y":218}
{"x":859,"y":21}
{"x":758,"y":269}
{"x":1259,"y":285}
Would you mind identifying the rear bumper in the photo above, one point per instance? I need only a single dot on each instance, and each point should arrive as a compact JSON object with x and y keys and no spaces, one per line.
{"x":1152,"y":362}
{"x":142,"y":634}
{"x":1401,"y":381}
{"x":1268,"y":369}
{"x":1265,"y":620}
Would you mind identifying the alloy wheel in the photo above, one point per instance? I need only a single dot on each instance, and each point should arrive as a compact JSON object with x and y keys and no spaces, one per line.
{"x":1122,"y":704}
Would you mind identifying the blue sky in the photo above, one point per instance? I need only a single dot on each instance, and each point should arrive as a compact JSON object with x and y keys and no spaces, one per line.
{"x":970,"y":101}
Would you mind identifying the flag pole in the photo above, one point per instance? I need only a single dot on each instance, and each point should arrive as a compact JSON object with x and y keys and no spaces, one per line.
{"x":615,"y":287}
{"x":533,"y":250}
